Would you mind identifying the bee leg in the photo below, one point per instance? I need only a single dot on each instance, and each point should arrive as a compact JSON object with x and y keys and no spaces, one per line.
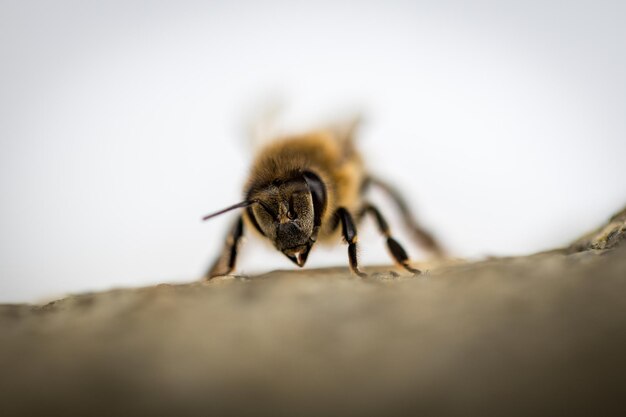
{"x":225,"y":263}
{"x":396,"y":250}
{"x":348,"y":229}
{"x":423,"y":237}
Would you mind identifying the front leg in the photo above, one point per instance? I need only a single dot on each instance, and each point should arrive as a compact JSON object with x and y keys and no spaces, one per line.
{"x":348,"y":229}
{"x":225,"y":263}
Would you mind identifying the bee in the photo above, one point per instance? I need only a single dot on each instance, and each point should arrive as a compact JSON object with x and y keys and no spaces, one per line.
{"x":311,"y":188}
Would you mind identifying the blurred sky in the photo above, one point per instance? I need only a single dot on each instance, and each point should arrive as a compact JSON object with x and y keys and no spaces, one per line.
{"x":122,"y":123}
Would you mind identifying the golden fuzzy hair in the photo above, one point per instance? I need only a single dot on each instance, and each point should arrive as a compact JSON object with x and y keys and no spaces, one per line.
{"x":331,"y":157}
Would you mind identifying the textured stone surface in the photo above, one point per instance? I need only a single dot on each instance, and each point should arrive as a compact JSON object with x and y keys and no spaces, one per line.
{"x":538,"y":335}
{"x":608,"y":236}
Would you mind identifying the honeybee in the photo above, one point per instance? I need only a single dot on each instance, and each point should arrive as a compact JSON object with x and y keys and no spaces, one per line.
{"x":310,"y":188}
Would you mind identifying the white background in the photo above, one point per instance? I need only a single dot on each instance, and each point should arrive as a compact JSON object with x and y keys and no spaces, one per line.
{"x":122,"y":123}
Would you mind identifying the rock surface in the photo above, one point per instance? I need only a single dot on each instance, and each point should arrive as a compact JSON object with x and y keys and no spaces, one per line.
{"x":543,"y":334}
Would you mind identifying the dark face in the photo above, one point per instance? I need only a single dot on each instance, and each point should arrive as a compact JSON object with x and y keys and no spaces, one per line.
{"x":285,"y":215}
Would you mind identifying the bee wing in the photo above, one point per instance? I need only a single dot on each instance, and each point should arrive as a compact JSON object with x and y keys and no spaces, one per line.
{"x":345,"y":130}
{"x":262,"y":125}
{"x":267,"y":122}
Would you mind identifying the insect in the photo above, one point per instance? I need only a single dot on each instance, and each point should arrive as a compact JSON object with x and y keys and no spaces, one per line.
{"x":311,"y":188}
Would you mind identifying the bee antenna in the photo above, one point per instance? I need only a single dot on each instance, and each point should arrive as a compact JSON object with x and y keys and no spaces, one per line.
{"x":236,"y":206}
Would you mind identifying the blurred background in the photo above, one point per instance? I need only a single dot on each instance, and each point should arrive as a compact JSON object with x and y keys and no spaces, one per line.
{"x":123,"y":122}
